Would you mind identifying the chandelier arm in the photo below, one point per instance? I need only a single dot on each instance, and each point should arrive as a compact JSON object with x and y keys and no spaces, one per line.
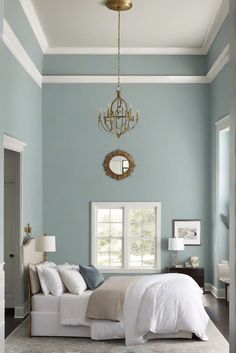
{"x":104,"y":125}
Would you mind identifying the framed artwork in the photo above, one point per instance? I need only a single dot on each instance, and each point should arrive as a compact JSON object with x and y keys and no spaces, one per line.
{"x":190,"y":230}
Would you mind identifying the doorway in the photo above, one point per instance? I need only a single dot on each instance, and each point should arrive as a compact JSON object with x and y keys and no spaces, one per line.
{"x":223,"y":153}
{"x":11,"y":223}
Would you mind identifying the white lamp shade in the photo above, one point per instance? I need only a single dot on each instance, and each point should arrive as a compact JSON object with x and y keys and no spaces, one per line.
{"x":176,"y":244}
{"x":45,"y":243}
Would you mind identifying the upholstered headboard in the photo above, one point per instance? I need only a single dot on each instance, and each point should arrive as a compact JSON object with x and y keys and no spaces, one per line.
{"x":30,"y":255}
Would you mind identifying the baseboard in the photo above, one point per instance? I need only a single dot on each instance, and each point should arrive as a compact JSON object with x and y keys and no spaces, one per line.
{"x":218,"y":293}
{"x":21,"y":311}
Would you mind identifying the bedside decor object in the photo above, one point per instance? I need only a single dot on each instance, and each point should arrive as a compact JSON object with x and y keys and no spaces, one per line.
{"x":45,"y":244}
{"x":187,"y":264}
{"x":119,"y":164}
{"x":189,"y":230}
{"x":194,"y":260}
{"x":119,"y":118}
{"x":175,"y":244}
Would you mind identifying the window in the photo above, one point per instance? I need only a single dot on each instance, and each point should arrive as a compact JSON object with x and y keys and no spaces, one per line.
{"x":126,"y":236}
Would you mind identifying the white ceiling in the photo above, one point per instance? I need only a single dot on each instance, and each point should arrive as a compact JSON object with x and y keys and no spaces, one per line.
{"x":150,"y":23}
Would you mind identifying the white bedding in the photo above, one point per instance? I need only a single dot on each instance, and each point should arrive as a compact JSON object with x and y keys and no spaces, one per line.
{"x":166,"y":303}
{"x":163,"y":304}
{"x":73,"y":309}
{"x":45,"y":303}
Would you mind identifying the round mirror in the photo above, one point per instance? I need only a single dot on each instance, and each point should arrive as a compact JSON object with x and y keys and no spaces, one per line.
{"x":118,"y":164}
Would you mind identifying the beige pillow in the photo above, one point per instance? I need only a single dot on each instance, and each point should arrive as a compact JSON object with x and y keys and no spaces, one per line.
{"x":34,"y":279}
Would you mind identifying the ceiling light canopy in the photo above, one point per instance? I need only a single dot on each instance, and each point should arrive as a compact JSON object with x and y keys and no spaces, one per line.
{"x":118,"y":119}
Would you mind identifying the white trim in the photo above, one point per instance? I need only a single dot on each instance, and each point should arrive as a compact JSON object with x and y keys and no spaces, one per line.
{"x":124,"y":51}
{"x":129,"y":270}
{"x":35,"y":24}
{"x":125,"y":79}
{"x":14,"y":45}
{"x":218,"y":293}
{"x":215,"y":25}
{"x":221,"y":125}
{"x":126,"y":206}
{"x":219,"y":64}
{"x":13,"y":144}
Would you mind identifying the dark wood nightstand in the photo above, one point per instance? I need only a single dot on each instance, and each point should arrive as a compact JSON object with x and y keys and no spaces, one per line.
{"x":196,"y":273}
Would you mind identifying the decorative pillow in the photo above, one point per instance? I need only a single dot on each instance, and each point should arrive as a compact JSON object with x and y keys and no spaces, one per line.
{"x":73,"y":281}
{"x":92,"y":276}
{"x":40,"y":268}
{"x":34,"y":279}
{"x":53,"y":281}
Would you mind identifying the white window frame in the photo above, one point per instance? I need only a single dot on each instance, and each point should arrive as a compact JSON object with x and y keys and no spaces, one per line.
{"x":126,"y":206}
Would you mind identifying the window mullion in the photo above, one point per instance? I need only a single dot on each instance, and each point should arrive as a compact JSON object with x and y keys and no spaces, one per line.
{"x":125,"y":236}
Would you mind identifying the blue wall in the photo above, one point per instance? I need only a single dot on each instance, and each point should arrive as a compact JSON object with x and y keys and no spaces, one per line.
{"x":170,"y":147}
{"x":16,"y":18}
{"x":130,"y":65}
{"x":21,"y":117}
{"x":220,"y":42}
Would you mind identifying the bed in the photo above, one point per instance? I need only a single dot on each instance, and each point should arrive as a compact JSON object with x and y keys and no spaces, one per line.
{"x":157,"y":306}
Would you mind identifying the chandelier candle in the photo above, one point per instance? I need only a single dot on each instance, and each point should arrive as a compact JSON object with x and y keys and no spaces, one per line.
{"x":118,"y":119}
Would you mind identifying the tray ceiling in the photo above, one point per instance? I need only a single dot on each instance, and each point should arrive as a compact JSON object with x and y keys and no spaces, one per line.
{"x":150,"y":24}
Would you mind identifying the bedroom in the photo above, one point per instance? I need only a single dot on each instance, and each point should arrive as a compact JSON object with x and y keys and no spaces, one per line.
{"x":176,"y":76}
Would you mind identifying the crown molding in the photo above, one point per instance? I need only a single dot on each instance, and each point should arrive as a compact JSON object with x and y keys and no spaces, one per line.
{"x":218,"y":65}
{"x":13,"y":44}
{"x":124,"y":51}
{"x":34,"y":23}
{"x":215,"y":25}
{"x":125,"y":79}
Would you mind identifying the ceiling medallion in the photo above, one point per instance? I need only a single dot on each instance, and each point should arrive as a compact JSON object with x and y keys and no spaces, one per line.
{"x":119,"y":5}
{"x":118,"y":119}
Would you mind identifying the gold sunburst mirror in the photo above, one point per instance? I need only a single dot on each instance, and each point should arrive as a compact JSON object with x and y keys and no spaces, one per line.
{"x":119,"y":164}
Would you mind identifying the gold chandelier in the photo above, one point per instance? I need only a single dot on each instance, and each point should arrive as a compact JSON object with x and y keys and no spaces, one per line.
{"x":118,"y":119}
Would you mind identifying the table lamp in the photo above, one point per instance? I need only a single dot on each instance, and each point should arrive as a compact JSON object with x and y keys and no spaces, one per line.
{"x":45,"y":243}
{"x":175,"y":244}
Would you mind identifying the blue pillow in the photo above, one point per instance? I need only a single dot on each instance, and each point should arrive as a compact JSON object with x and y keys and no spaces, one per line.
{"x":92,"y":276}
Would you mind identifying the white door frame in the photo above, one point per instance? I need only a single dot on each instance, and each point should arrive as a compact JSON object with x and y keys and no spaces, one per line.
{"x":13,"y":144}
{"x":222,"y":124}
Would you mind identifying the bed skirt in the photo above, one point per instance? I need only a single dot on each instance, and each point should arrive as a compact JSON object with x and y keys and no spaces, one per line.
{"x":48,"y":324}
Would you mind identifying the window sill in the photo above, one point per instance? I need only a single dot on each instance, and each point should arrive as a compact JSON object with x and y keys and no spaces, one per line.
{"x":129,"y":270}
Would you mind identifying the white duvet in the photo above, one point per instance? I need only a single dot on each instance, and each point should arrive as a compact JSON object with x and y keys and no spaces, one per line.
{"x":165,"y":303}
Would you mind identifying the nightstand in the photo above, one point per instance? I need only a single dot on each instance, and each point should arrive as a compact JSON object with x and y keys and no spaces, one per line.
{"x":196,"y":273}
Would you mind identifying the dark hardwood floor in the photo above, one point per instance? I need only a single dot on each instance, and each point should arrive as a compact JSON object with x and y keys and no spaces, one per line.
{"x":217,"y":309}
{"x":10,"y":322}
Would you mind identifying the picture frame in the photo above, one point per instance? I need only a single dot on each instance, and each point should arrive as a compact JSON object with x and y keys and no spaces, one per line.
{"x":189,"y":229}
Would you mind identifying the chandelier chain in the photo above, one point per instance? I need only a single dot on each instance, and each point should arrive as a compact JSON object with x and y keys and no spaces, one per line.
{"x":118,"y":86}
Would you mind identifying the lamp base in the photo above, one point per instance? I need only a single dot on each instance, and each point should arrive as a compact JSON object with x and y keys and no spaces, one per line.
{"x":45,"y":256}
{"x":119,"y":5}
{"x":175,"y":259}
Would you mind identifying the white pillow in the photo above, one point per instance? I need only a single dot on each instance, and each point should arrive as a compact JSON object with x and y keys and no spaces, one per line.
{"x":67,"y":266}
{"x":53,"y":281}
{"x":40,"y":268}
{"x":73,"y":281}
